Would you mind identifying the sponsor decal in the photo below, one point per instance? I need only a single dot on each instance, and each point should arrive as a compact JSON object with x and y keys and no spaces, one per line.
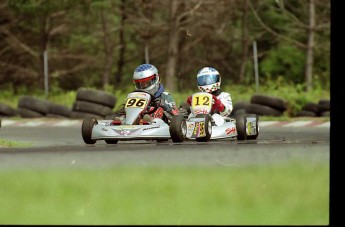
{"x":195,"y":131}
{"x":190,"y":126}
{"x":199,"y":129}
{"x":230,"y":130}
{"x":200,"y":111}
{"x":251,"y":128}
{"x":202,"y":129}
{"x":151,"y":128}
{"x":125,"y":132}
{"x":158,"y":113}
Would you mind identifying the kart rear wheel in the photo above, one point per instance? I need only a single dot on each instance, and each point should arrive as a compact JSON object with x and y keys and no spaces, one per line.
{"x":86,"y":129}
{"x":208,"y":127}
{"x":111,"y":141}
{"x":253,"y":137}
{"x":178,"y":128}
{"x":241,"y":122}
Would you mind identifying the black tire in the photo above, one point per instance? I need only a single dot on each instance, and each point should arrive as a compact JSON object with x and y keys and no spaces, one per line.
{"x":263,"y":110}
{"x":7,"y":110}
{"x":92,"y":108}
{"x":324,"y":105}
{"x":86,"y":129}
{"x":274,"y":102}
{"x":96,"y":96}
{"x":234,"y":113}
{"x":111,"y":141}
{"x":55,"y":116}
{"x":325,"y":114}
{"x":305,"y":113}
{"x":111,"y":116}
{"x":34,"y":104}
{"x":178,"y":128}
{"x":26,"y":113}
{"x":58,"y":109}
{"x":241,"y":123}
{"x":312,"y":107}
{"x":253,"y":137}
{"x":208,"y":127}
{"x":81,"y":115}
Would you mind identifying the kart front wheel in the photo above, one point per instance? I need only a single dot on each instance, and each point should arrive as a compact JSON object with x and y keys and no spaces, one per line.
{"x":178,"y":128}
{"x":86,"y":129}
{"x":241,"y":123}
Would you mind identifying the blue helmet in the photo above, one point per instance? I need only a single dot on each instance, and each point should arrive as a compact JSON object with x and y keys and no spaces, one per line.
{"x":146,"y":78}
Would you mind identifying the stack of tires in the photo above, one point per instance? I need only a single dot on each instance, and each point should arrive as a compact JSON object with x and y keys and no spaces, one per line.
{"x":320,"y":109}
{"x":32,"y":107}
{"x":261,"y":105}
{"x":92,"y":103}
{"x":58,"y":111}
{"x":7,"y":111}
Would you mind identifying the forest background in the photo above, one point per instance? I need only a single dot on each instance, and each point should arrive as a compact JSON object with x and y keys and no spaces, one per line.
{"x":99,"y":43}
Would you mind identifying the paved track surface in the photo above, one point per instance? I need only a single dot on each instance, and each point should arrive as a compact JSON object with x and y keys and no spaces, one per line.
{"x":58,"y":144}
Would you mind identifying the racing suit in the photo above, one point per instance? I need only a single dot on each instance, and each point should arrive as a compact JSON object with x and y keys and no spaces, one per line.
{"x":166,"y":101}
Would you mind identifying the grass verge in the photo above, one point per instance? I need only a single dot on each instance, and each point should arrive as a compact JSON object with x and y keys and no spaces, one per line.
{"x":293,"y":193}
{"x":8,"y":143}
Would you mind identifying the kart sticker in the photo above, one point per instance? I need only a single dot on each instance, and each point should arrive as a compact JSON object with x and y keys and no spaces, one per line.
{"x":251,"y":128}
{"x":230,"y":130}
{"x":199,"y":129}
{"x":135,"y":102}
{"x":201,"y":100}
{"x":125,"y":132}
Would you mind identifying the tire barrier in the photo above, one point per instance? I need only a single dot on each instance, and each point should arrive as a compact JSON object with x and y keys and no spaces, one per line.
{"x":89,"y":102}
{"x":261,"y":105}
{"x":96,"y":96}
{"x":100,"y":104}
{"x":7,"y":111}
{"x":92,"y":103}
{"x":320,"y":109}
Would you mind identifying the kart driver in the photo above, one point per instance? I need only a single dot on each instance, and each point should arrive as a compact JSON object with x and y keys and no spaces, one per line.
{"x":146,"y":78}
{"x":208,"y":80}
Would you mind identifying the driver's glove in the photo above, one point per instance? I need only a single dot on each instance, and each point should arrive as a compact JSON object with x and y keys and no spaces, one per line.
{"x":217,"y":105}
{"x":189,"y":100}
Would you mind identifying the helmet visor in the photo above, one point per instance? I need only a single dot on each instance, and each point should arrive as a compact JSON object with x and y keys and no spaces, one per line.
{"x":145,"y":82}
{"x":207,"y":79}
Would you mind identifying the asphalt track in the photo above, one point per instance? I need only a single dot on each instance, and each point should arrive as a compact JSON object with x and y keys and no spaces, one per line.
{"x":63,"y":147}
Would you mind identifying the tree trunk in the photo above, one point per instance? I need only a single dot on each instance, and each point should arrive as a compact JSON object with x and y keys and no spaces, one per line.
{"x":108,"y":51}
{"x":172,"y":47}
{"x":244,"y":40}
{"x":122,"y":49}
{"x":310,"y":46}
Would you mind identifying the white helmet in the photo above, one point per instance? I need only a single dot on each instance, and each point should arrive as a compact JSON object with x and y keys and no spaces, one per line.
{"x":146,"y":78}
{"x":208,"y":79}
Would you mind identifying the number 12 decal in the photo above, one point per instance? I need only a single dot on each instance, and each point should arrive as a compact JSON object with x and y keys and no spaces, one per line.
{"x":202,"y":100}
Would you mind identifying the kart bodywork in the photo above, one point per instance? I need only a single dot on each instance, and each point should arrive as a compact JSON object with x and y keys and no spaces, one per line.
{"x":203,"y":126}
{"x":131,"y":127}
{"x":199,"y":125}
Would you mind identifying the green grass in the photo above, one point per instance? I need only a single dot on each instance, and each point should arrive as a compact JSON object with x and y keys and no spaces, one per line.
{"x":294,"y":193}
{"x":8,"y":143}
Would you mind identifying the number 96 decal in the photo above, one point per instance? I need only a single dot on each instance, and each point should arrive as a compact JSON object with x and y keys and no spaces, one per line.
{"x":136,"y":102}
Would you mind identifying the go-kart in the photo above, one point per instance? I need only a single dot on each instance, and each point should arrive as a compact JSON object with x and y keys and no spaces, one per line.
{"x":131,"y":125}
{"x":203,"y":124}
